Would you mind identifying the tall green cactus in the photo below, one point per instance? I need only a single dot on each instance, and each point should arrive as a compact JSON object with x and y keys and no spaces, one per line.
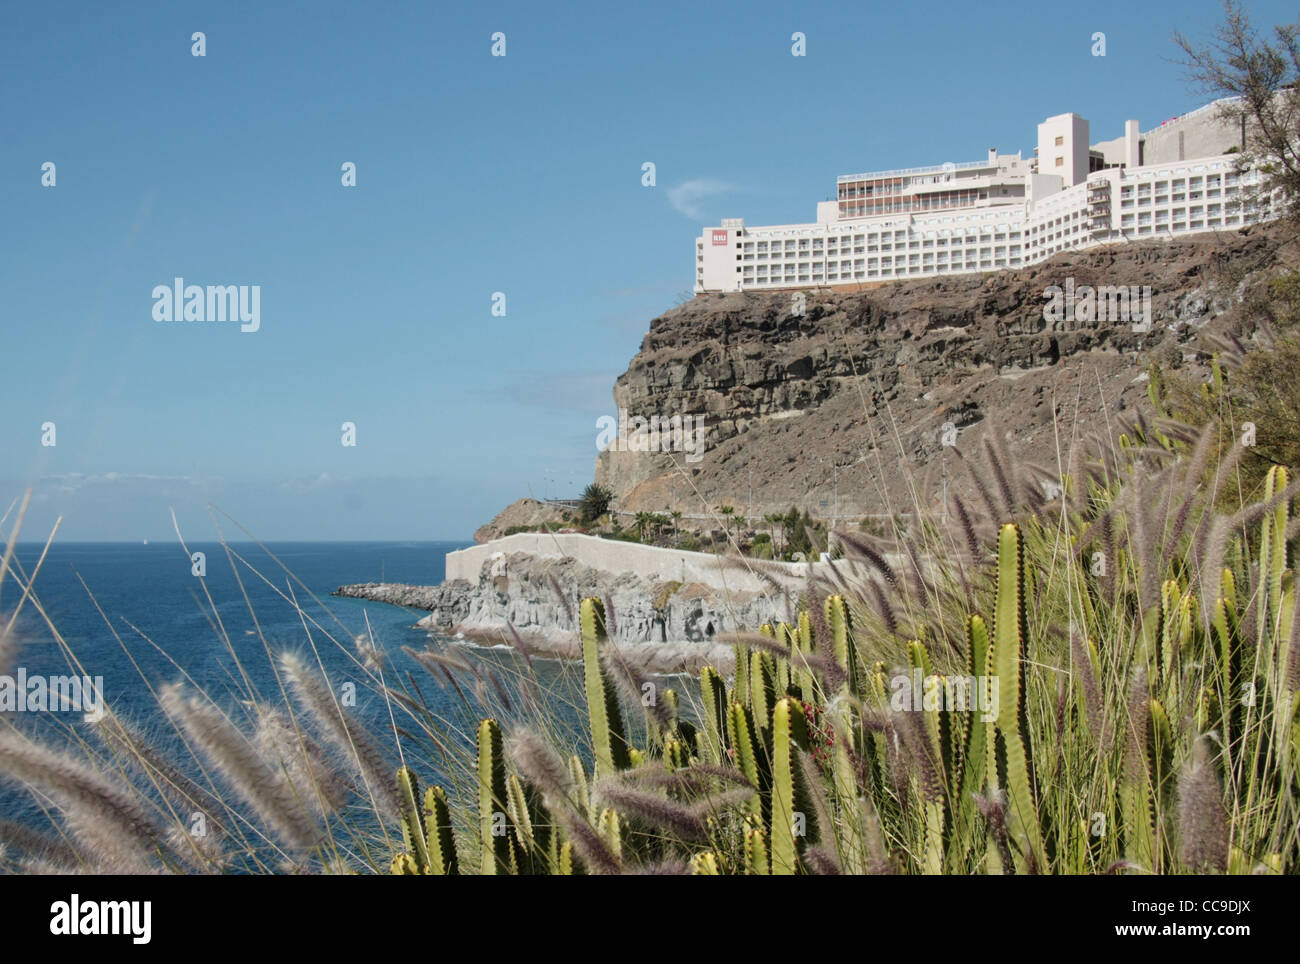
{"x":493,"y":822}
{"x":412,"y":819}
{"x":1008,"y":664}
{"x":713,"y":692}
{"x":762,"y":688}
{"x":791,"y":818}
{"x":607,"y":733}
{"x":440,"y":842}
{"x":756,"y":858}
{"x":750,"y":758}
{"x":837,"y":618}
{"x":427,"y":833}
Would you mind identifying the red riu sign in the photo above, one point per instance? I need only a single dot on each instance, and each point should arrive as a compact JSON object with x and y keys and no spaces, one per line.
{"x":720,"y":239}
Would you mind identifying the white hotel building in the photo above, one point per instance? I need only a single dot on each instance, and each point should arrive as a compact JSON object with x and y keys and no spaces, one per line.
{"x":1001,"y":212}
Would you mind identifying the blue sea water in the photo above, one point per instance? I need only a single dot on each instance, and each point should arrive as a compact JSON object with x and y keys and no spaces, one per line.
{"x":148,"y":597}
{"x":137,"y":616}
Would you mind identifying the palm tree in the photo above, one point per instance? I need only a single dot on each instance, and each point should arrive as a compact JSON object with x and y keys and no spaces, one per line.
{"x":676,"y":516}
{"x":595,"y":502}
{"x":727,"y":512}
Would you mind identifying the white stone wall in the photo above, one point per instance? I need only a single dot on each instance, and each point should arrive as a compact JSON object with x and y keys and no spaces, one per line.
{"x":610,"y":555}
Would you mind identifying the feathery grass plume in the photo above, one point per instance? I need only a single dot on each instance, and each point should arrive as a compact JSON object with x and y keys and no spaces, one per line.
{"x":262,"y":786}
{"x":587,"y":841}
{"x":983,"y":490}
{"x":34,"y":845}
{"x":1211,"y":568}
{"x":967,"y":525}
{"x":883,"y":609}
{"x":652,"y":809}
{"x":1139,"y":715}
{"x":918,"y":751}
{"x":1076,"y":490}
{"x":1227,"y":466}
{"x":1059,"y":720}
{"x":633,"y":685}
{"x":8,"y":646}
{"x":993,"y":458}
{"x":310,"y":775}
{"x":446,"y":659}
{"x":540,"y":764}
{"x":1165,"y":483}
{"x":896,"y":764}
{"x":436,"y":664}
{"x":348,"y":737}
{"x":132,"y":745}
{"x":129,"y":744}
{"x":667,"y":867}
{"x":721,"y":773}
{"x":922,"y":585}
{"x":993,"y":808}
{"x":564,"y":599}
{"x":542,"y":767}
{"x":611,"y":627}
{"x":813,"y":790}
{"x":371,"y":656}
{"x":1202,"y":818}
{"x":499,"y":689}
{"x":1081,"y":667}
{"x":1217,"y":546}
{"x":878,"y":862}
{"x":697,"y":777}
{"x":1140,"y":531}
{"x":821,"y":861}
{"x":823,"y":638}
{"x":1190,"y":486}
{"x":714,"y":803}
{"x":1180,"y":431}
{"x":103,"y":816}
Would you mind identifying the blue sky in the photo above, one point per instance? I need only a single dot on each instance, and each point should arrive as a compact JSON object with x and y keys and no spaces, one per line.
{"x":475,"y":174}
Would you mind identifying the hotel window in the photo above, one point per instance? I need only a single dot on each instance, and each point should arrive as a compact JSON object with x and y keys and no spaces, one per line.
{"x":1060,"y":162}
{"x":1060,"y":140}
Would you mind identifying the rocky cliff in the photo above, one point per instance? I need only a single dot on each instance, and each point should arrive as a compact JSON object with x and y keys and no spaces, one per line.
{"x":661,"y":627}
{"x":857,"y":389}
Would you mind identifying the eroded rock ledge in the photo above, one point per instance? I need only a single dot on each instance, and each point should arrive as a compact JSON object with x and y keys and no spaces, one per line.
{"x":661,"y":627}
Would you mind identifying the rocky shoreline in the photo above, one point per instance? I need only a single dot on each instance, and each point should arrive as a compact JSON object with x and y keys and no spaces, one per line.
{"x":660,"y":627}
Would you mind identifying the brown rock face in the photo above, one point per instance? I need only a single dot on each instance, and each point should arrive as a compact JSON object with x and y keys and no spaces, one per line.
{"x":858,"y":389}
{"x":521,"y":512}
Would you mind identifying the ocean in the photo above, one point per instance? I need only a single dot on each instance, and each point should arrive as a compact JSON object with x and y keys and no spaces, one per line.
{"x":137,"y":616}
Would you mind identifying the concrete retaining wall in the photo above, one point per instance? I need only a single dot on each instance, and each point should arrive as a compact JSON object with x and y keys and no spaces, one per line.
{"x":609,"y":555}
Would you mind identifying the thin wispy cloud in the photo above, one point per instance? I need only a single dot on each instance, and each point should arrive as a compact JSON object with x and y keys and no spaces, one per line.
{"x":688,"y":197}
{"x":72,"y":481}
